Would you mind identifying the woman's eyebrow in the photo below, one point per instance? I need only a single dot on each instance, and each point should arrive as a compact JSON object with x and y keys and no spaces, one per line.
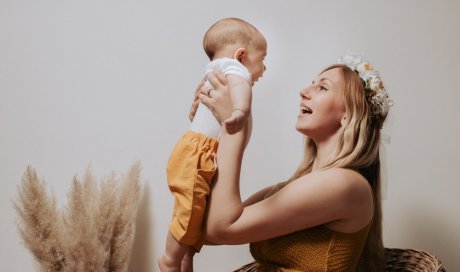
{"x":326,"y":80}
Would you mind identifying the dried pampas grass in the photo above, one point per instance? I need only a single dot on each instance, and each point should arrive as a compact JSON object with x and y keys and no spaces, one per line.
{"x":94,"y":233}
{"x":124,"y":228}
{"x":41,"y":227}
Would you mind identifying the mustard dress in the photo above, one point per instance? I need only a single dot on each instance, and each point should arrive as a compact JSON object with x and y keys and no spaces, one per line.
{"x":313,"y":249}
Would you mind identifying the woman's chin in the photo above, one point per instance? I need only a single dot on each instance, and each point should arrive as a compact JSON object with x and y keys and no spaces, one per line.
{"x":302,"y":129}
{"x":302,"y":123}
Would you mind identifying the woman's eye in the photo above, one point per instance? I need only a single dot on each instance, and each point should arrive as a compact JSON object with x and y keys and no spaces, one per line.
{"x":322,"y":88}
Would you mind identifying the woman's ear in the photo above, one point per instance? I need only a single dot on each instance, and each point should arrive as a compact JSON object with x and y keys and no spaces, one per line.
{"x":343,"y":121}
{"x":240,"y":54}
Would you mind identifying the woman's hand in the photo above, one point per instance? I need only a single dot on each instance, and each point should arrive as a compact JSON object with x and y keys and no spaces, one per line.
{"x":217,"y":98}
{"x":196,"y":100}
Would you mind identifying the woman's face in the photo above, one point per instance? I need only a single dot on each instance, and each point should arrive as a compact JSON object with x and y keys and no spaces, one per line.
{"x":322,"y":106}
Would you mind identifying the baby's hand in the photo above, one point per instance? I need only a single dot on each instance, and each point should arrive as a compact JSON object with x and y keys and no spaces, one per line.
{"x":236,"y":121}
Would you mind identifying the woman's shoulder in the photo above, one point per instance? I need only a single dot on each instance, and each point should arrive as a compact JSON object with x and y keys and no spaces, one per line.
{"x":355,"y":194}
{"x":340,"y":178}
{"x":348,"y":191}
{"x":338,"y":185}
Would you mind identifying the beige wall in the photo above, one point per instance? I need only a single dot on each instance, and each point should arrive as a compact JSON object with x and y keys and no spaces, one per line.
{"x":110,"y":82}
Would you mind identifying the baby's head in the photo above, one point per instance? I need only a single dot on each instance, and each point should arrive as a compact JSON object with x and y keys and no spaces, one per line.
{"x":237,"y":39}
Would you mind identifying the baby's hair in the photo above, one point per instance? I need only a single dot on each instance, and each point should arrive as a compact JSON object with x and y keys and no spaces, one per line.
{"x":231,"y":31}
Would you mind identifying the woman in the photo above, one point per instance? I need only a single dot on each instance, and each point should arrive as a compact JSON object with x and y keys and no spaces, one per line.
{"x":327,"y":216}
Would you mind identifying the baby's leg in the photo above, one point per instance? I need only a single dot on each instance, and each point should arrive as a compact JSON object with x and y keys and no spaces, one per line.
{"x":187,"y":261}
{"x":171,"y":259}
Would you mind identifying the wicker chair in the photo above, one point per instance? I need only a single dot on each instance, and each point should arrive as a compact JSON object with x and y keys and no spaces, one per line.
{"x":402,"y":260}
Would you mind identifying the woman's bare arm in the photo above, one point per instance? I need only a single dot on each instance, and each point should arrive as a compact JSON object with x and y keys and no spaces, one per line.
{"x":264,"y":193}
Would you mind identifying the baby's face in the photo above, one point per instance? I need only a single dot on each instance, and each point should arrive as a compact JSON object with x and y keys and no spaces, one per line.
{"x":254,"y":61}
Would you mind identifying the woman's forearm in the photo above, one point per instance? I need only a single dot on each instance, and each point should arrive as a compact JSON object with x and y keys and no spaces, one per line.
{"x":225,"y":205}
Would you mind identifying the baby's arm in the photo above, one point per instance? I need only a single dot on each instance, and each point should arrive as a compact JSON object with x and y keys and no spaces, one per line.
{"x":241,"y":95}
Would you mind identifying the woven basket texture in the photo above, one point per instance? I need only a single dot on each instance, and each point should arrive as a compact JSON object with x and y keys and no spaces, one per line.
{"x":402,"y":260}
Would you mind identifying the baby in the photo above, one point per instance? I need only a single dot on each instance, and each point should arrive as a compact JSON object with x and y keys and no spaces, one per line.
{"x":238,"y":50}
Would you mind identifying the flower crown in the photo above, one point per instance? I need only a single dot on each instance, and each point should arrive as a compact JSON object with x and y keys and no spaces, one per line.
{"x":376,"y":95}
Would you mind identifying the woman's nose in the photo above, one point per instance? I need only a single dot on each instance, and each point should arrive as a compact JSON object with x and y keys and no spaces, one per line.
{"x":305,"y":93}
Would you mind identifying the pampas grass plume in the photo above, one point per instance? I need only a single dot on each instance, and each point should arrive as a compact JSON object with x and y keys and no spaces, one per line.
{"x":105,"y":215}
{"x":94,"y":233}
{"x":83,"y":249}
{"x":124,"y":228}
{"x":40,"y":224}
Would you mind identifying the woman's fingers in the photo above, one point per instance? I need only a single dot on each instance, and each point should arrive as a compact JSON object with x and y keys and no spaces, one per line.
{"x":216,"y":96}
{"x":196,"y":99}
{"x":209,"y":95}
{"x":220,"y":76}
{"x":193,"y":108}
{"x":206,"y":91}
{"x":217,"y":79}
{"x":198,"y":88}
{"x":207,"y":101}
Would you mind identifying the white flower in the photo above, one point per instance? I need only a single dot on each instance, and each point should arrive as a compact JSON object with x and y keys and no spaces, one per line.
{"x":376,"y":94}
{"x":351,"y":60}
{"x":375,"y":83}
{"x":364,"y":67}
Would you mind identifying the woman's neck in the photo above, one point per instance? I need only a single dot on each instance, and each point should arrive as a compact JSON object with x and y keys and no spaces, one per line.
{"x":324,"y":150}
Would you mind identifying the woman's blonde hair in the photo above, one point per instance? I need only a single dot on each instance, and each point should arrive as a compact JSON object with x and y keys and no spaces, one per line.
{"x":357,"y":149}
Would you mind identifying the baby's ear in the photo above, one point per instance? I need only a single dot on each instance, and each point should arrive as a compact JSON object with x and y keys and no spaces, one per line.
{"x":240,"y":53}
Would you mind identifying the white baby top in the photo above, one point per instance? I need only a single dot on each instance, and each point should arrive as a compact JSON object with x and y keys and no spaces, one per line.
{"x":204,"y":121}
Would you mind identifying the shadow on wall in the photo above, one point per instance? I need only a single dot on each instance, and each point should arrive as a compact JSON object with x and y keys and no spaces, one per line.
{"x":142,"y":256}
{"x":428,"y":229}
